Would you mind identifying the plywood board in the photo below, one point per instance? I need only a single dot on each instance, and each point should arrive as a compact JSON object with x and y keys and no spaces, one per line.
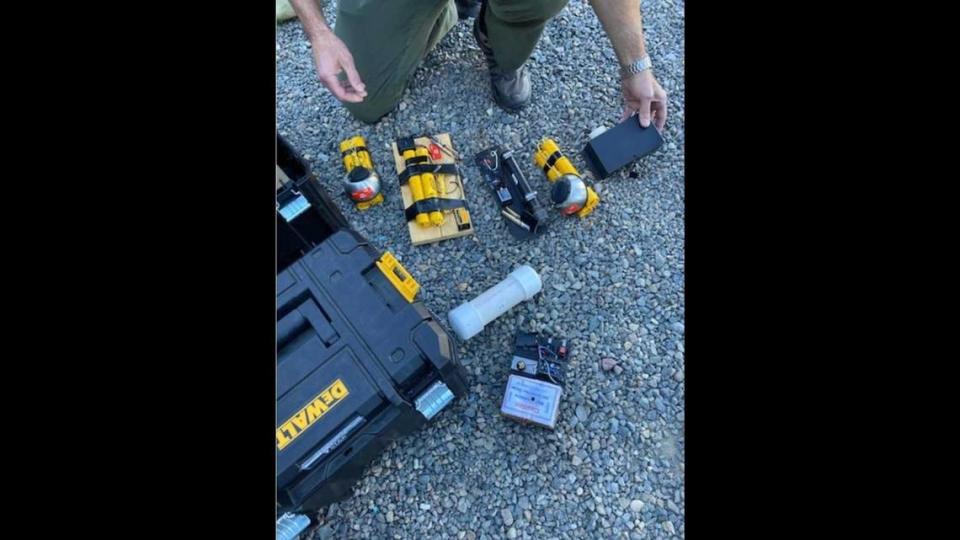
{"x":453,"y":185}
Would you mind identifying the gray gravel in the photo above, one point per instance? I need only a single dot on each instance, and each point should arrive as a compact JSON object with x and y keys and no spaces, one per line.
{"x":614,"y":283}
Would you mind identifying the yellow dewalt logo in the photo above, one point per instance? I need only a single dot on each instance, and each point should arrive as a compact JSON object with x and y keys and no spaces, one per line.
{"x":307,"y":416}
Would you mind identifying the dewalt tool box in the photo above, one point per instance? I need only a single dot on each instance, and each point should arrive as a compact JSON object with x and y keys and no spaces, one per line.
{"x":360,"y":363}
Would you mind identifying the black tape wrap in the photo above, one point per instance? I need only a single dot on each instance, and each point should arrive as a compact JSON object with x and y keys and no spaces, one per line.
{"x":406,"y":143}
{"x":354,"y":150}
{"x":547,"y":165}
{"x":416,"y":168}
{"x":433,"y":204}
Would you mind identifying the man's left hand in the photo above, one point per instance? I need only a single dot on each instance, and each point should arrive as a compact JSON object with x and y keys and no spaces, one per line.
{"x":643,"y":94}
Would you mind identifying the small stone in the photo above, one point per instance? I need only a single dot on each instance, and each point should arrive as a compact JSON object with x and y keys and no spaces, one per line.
{"x":507,"y":516}
{"x":389,"y":516}
{"x":462,"y":286}
{"x":424,"y":506}
{"x":582,"y":413}
{"x":673,"y":506}
{"x":325,"y":532}
{"x":511,"y":533}
{"x":593,"y":323}
{"x":617,"y":369}
{"x":470,"y":536}
{"x":463,"y":506}
{"x":608,"y":363}
{"x":677,"y":327}
{"x":636,"y":505}
{"x":668,"y":526}
{"x":577,"y":461}
{"x":678,"y":376}
{"x":490,"y":111}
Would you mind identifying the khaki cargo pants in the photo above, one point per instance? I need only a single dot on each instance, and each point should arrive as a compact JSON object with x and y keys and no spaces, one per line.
{"x":389,"y":38}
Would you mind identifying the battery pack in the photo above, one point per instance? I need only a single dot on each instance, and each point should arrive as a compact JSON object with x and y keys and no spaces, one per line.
{"x":535,"y":384}
{"x":619,"y":146}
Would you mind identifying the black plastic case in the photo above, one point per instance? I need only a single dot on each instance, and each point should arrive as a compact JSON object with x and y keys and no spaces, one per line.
{"x":619,"y":146}
{"x":358,"y":365}
{"x":319,"y":217}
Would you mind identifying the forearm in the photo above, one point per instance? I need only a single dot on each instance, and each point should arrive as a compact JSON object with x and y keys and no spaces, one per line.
{"x":623,"y":24}
{"x":311,"y":16}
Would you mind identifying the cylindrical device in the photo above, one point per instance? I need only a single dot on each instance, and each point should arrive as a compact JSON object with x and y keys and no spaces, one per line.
{"x":416,"y":189}
{"x":362,"y":183}
{"x":429,"y":184}
{"x":289,"y":526}
{"x":554,"y":164}
{"x":469,"y":318}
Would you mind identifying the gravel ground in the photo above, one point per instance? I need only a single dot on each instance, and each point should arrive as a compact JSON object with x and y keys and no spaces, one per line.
{"x":614,"y":468}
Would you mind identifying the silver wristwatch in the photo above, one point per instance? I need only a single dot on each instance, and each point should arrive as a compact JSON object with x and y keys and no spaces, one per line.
{"x":640,"y":65}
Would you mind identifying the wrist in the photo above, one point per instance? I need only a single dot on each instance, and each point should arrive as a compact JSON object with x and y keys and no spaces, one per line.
{"x":319,"y":33}
{"x":635,"y":66}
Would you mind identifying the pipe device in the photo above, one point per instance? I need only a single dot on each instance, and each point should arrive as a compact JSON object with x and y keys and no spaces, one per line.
{"x":470,"y":318}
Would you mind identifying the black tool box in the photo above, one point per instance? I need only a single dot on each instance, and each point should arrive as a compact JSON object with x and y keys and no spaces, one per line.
{"x":359,"y":364}
{"x":305,"y":213}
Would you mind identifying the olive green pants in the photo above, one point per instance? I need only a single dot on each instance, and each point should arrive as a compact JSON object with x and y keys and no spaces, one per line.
{"x":389,"y":38}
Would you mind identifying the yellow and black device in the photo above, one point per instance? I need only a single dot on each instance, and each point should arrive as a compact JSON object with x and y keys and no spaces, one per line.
{"x":428,"y":188}
{"x":570,"y":194}
{"x":362,"y":184}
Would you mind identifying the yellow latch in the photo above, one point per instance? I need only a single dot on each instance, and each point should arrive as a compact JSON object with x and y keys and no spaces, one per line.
{"x":398,"y":275}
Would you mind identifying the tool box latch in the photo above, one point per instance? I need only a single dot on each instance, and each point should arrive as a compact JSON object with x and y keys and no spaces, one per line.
{"x":398,"y":275}
{"x":433,"y":400}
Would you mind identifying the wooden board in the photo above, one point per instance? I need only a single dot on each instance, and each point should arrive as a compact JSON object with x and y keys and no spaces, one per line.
{"x":454,"y":190}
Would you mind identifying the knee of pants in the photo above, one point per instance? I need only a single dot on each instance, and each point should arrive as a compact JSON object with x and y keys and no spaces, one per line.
{"x":525,"y":11}
{"x":371,"y":109}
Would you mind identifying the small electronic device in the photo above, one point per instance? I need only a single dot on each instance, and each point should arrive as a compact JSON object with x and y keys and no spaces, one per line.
{"x":619,"y":146}
{"x":536,"y":381}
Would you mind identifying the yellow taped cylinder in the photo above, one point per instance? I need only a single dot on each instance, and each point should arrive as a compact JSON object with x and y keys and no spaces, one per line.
{"x":429,"y":183}
{"x":561,"y":166}
{"x":416,"y":190}
{"x":358,"y":158}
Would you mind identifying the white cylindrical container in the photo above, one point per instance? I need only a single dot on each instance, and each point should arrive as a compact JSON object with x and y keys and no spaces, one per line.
{"x":469,"y":319}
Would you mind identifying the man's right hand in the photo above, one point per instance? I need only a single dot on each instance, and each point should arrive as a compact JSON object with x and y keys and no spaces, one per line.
{"x":332,"y":58}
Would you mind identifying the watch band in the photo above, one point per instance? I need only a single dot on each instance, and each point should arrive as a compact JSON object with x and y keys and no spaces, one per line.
{"x":641,"y":64}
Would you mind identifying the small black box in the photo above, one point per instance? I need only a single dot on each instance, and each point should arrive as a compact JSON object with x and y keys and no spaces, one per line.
{"x":619,"y":146}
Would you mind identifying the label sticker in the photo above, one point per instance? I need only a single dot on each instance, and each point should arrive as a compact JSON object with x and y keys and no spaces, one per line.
{"x":310,"y":413}
{"x":531,"y":399}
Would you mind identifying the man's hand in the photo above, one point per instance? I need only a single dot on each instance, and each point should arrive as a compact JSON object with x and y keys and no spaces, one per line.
{"x":623,"y":23}
{"x":332,"y":58}
{"x":330,"y":55}
{"x":642,"y":93}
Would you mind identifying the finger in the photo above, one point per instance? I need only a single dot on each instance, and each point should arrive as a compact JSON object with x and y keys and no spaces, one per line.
{"x":644,"y":112}
{"x":338,"y":91}
{"x":660,"y":113}
{"x":352,"y":75}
